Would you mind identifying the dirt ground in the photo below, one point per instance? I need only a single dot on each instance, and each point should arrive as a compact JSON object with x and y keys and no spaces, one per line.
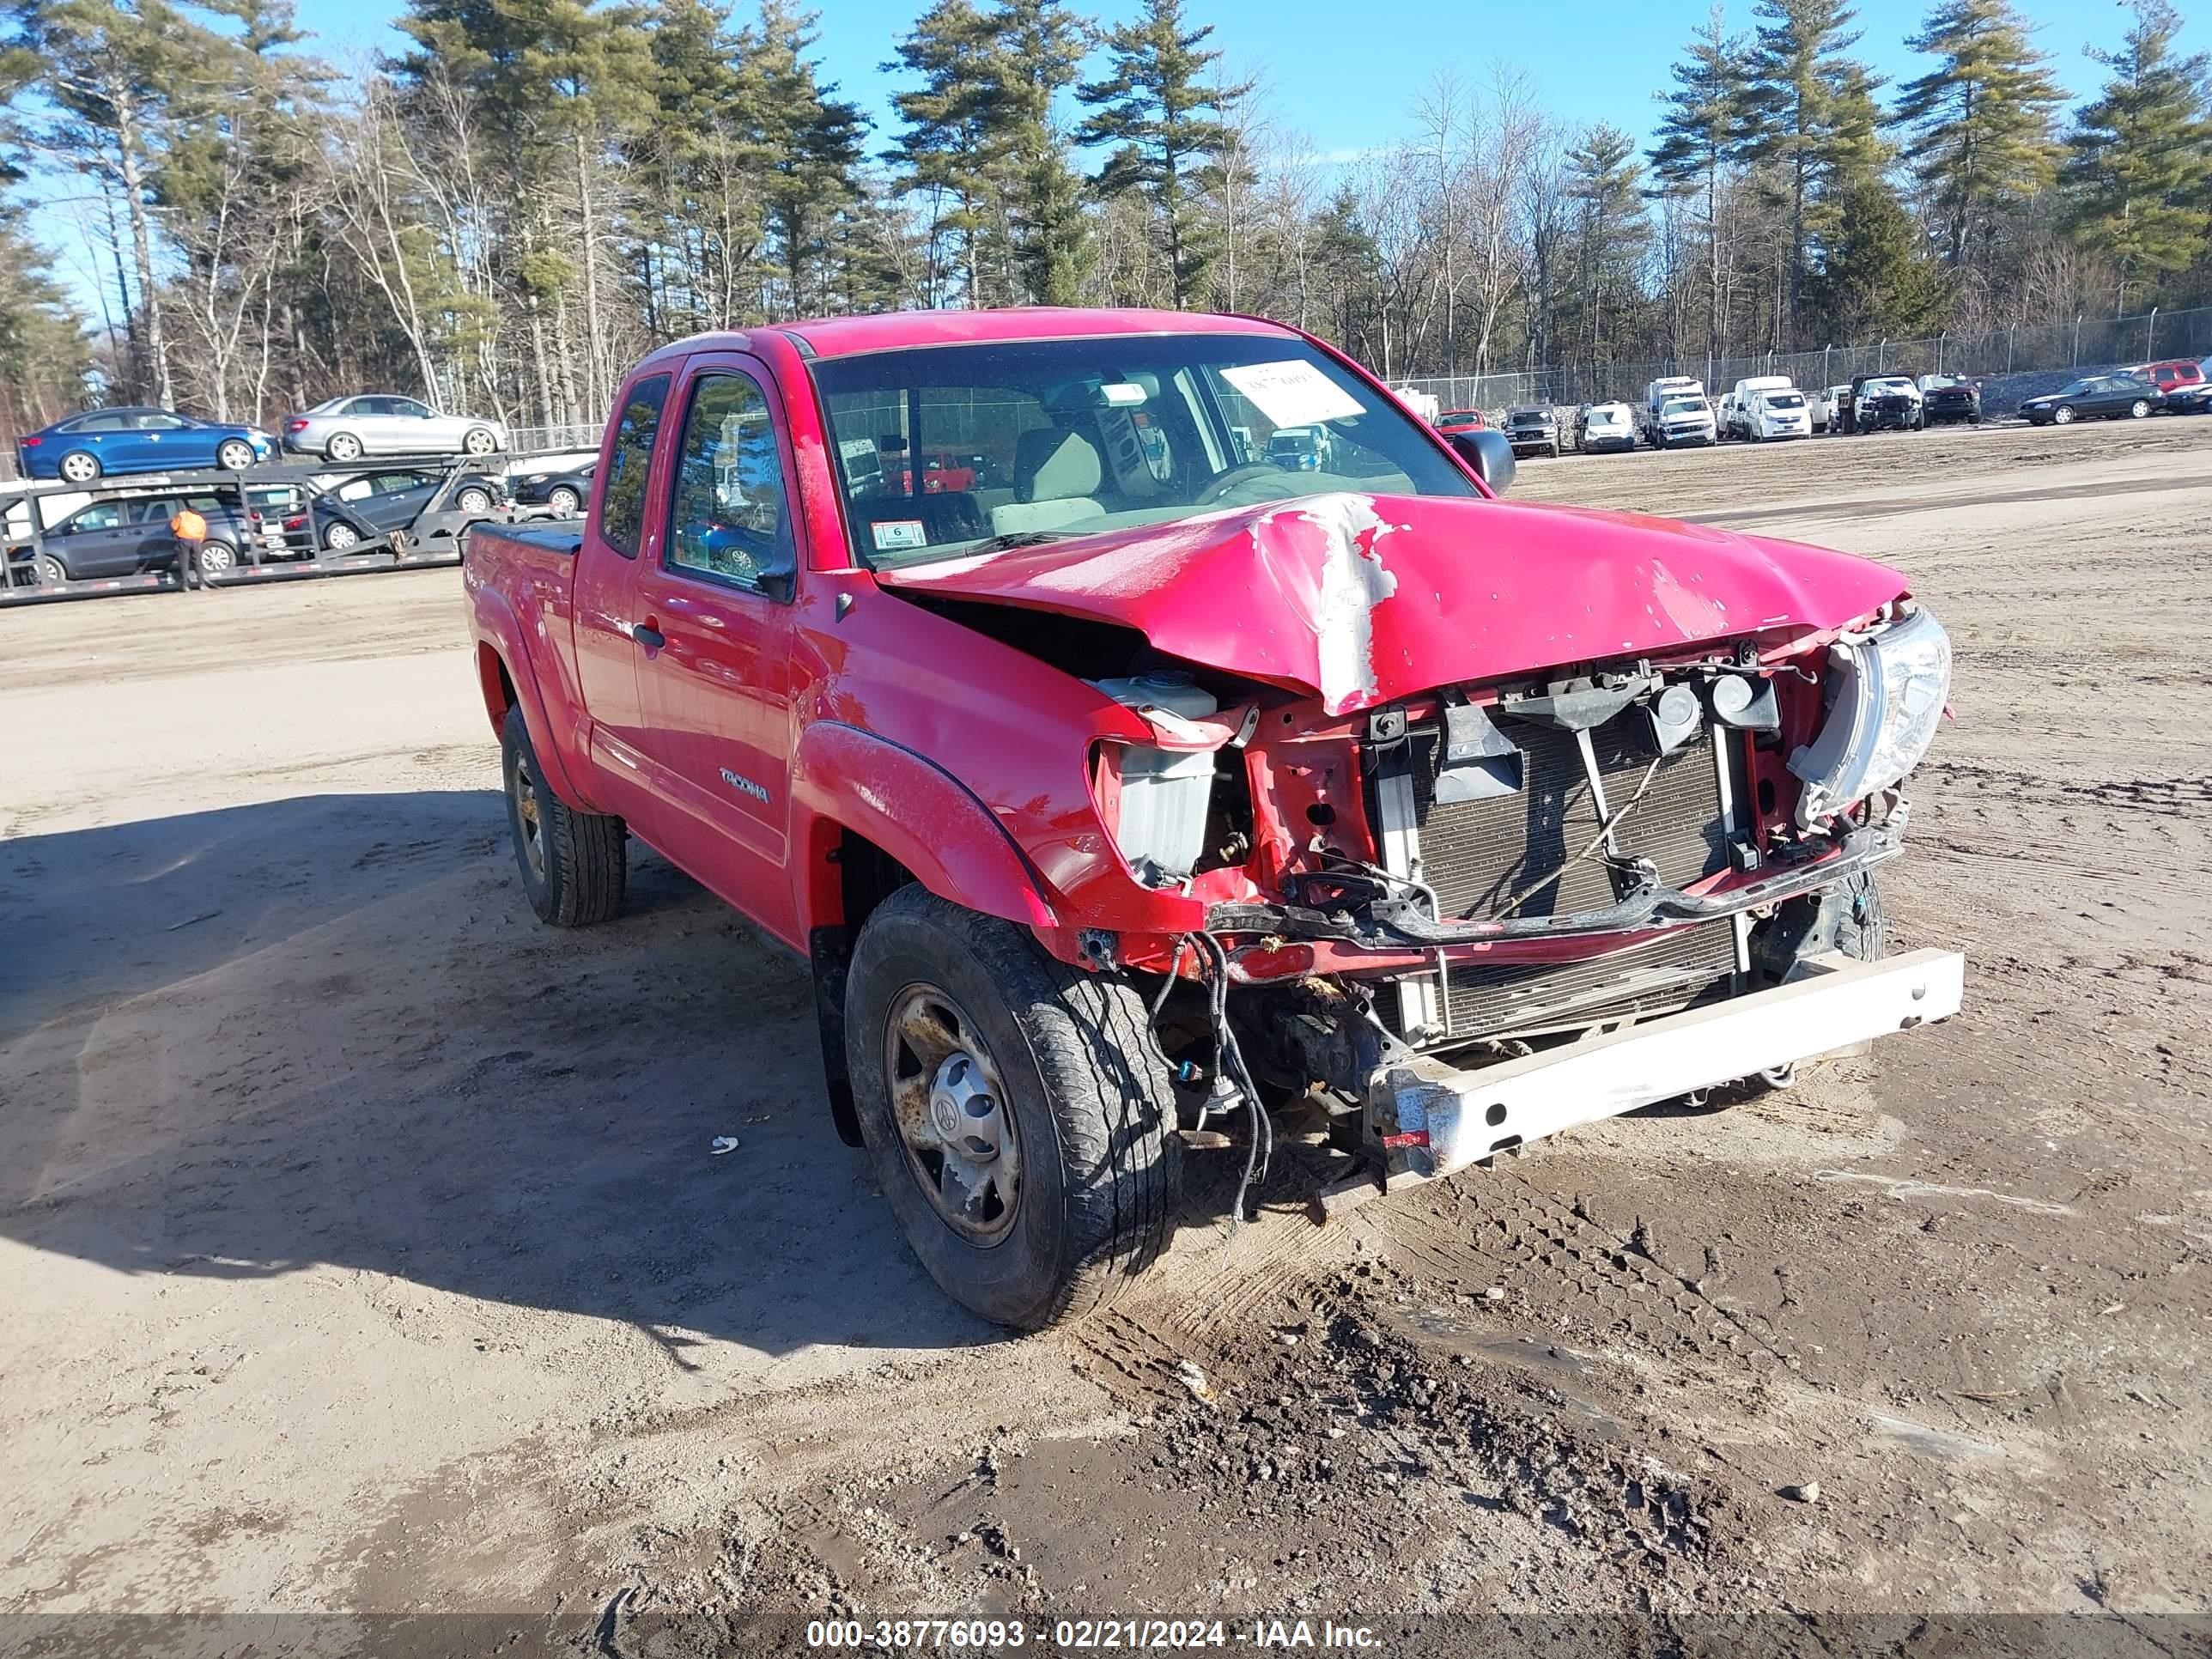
{"x":361,"y":1250}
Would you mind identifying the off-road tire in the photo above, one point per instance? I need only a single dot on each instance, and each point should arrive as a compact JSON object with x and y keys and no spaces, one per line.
{"x":585,"y":862}
{"x":1092,"y":1103}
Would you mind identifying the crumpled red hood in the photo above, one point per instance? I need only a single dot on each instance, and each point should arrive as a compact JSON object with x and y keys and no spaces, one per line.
{"x":1367,"y":598}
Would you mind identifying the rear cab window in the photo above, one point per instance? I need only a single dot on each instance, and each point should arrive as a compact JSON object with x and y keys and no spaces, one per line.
{"x":629,"y":465}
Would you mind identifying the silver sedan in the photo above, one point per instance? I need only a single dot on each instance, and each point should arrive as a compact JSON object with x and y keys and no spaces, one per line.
{"x":347,"y":429}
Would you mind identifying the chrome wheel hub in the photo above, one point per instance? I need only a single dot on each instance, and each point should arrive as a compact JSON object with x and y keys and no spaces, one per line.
{"x":952,"y":1113}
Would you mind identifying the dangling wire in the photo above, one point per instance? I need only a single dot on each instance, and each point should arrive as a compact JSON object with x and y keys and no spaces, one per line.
{"x":1260,"y":1153}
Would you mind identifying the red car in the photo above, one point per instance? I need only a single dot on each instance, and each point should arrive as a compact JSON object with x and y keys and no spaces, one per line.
{"x":1157,"y":791}
{"x":2170,"y":375}
{"x":1461,"y":420}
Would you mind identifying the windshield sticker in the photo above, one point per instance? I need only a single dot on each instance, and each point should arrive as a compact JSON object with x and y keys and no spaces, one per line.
{"x":1294,"y":393}
{"x":896,"y":535}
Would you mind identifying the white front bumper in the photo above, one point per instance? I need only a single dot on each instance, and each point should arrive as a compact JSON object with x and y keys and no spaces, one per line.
{"x":1468,"y":1115}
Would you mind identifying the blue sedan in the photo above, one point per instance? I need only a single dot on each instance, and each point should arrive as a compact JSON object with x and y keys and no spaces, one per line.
{"x":108,"y":440}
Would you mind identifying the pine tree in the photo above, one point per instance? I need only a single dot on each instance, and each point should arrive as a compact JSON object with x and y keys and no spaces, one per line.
{"x":1981,"y":118}
{"x":812,"y":141}
{"x":954,"y":143}
{"x":2139,"y":173}
{"x":1703,"y":133}
{"x":1875,"y":278}
{"x":1797,"y":74}
{"x":1039,"y":55}
{"x":1164,"y":121}
{"x":109,"y":72}
{"x":1609,"y":235}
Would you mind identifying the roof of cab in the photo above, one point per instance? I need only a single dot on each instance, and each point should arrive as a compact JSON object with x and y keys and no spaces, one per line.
{"x":843,"y":336}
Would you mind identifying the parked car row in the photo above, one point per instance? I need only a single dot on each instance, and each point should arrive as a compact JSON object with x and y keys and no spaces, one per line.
{"x":111,"y":442}
{"x":1677,"y":412}
{"x":123,"y":531}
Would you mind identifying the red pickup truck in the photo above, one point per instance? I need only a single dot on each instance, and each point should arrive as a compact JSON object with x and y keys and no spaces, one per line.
{"x":1159,"y":796}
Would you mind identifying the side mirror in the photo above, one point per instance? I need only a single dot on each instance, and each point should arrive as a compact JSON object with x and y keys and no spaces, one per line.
{"x":781,"y":586}
{"x":1490,"y":453}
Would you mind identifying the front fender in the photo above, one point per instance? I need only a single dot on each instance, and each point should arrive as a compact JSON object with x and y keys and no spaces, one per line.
{"x":919,"y":814}
{"x":500,"y":646}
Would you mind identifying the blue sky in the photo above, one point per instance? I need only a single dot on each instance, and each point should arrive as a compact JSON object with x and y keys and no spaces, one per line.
{"x":1346,"y":73}
{"x":1340,"y":71}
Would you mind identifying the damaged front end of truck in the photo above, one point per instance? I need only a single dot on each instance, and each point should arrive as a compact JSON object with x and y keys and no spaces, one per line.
{"x":1484,"y":821}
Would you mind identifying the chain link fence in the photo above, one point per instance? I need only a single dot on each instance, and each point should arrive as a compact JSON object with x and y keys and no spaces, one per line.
{"x":2011,"y":363}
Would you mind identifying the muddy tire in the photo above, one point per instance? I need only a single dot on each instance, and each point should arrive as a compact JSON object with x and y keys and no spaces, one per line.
{"x":944,"y":1009}
{"x":574,"y":863}
{"x":1862,"y":924}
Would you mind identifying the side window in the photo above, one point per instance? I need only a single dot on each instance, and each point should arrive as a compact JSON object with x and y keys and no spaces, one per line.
{"x":408,"y":407}
{"x":161,"y":424}
{"x":106,"y":516}
{"x":622,"y":505}
{"x":728,"y":516}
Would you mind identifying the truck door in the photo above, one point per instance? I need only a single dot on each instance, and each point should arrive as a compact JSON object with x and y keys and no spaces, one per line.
{"x":717,"y":687}
{"x":605,"y":601}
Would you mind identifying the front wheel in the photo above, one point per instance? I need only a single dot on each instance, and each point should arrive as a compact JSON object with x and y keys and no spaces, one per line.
{"x":52,"y":573}
{"x":234,"y":455}
{"x":1016,"y":1111}
{"x":2062,"y":415}
{"x":563,"y":502}
{"x":574,"y":863}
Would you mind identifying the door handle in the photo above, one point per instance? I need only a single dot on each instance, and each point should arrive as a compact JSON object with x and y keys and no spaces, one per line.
{"x":648,"y":636}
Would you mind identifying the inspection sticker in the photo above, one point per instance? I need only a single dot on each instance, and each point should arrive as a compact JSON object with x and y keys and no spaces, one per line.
{"x":894,"y":535}
{"x":1294,"y":393}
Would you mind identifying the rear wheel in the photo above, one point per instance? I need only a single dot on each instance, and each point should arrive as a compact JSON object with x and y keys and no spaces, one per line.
{"x":2138,"y":409}
{"x":341,"y":447}
{"x":217,"y":558}
{"x":574,"y":863}
{"x":479,"y":441}
{"x":1016,"y":1112}
{"x":473,"y":501}
{"x":234,"y":455}
{"x":340,"y":537}
{"x":78,"y":467}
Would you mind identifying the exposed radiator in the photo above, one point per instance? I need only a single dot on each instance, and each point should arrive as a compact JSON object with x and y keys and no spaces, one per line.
{"x":1476,"y":855}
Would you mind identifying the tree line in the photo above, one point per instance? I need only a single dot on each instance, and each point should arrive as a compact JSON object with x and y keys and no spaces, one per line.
{"x":508,"y":209}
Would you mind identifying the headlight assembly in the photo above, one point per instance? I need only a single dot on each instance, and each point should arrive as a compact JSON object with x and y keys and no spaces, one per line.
{"x":1890,"y":685}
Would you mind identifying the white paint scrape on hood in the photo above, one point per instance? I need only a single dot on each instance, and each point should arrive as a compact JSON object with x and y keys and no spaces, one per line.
{"x":1354,"y":581}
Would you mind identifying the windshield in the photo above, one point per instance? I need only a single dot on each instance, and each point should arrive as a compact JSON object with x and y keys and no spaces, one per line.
{"x":1878,"y":387}
{"x":1938,"y":382}
{"x":1069,"y":437}
{"x":1784,"y":400}
{"x":1684,"y":406}
{"x":1458,"y":417}
{"x":1608,"y":415}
